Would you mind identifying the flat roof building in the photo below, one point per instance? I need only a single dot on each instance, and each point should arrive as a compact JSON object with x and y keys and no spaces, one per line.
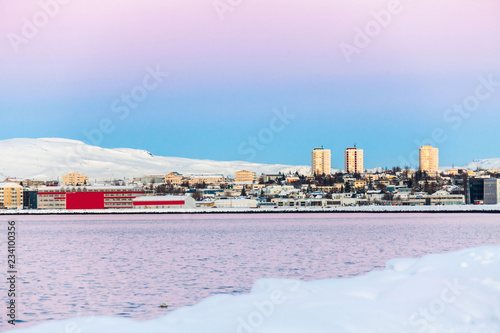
{"x":164,"y":202}
{"x":321,"y":161}
{"x":87,"y":197}
{"x":244,"y":176}
{"x":491,"y":191}
{"x":11,"y":196}
{"x":74,"y":179}
{"x":354,"y":160}
{"x":428,"y":159}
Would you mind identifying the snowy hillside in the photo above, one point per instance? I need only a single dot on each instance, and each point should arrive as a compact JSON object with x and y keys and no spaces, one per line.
{"x":490,"y":163}
{"x":49,"y":158}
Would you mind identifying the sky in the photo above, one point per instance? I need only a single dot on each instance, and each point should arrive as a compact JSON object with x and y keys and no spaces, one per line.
{"x":262,"y":81}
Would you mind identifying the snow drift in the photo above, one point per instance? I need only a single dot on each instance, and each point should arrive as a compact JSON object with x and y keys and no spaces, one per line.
{"x":453,"y":292}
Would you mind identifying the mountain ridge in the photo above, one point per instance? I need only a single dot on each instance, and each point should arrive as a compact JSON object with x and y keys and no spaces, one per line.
{"x":51,"y":158}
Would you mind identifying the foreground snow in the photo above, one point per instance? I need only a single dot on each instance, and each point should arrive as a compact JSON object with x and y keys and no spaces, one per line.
{"x":454,"y":292}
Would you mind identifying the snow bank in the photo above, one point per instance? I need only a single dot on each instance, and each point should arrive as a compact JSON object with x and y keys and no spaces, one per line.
{"x":454,"y":292}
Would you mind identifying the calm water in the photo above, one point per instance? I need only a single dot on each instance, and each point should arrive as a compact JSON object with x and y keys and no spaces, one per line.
{"x":128,"y":265}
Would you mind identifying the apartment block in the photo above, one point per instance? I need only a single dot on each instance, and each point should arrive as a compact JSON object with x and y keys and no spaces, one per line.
{"x":321,"y":161}
{"x":428,"y":159}
{"x":173,"y":178}
{"x":244,"y":176}
{"x":11,"y":196}
{"x":354,"y":160}
{"x":75,"y":179}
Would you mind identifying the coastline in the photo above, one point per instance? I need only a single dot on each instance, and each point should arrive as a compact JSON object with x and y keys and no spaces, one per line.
{"x":493,"y":209}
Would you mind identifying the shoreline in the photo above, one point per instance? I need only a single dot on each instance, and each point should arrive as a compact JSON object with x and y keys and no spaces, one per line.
{"x":493,"y":209}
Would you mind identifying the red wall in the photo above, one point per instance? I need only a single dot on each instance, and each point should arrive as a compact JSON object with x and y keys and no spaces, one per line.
{"x":85,"y":200}
{"x":158,"y":203}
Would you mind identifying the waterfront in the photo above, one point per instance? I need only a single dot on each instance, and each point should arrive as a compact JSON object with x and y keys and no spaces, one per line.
{"x":128,"y":265}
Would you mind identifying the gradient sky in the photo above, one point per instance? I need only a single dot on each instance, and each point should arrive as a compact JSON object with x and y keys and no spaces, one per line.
{"x":227,"y":76}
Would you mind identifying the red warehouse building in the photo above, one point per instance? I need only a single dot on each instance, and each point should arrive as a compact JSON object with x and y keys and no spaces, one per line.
{"x":88,"y":197}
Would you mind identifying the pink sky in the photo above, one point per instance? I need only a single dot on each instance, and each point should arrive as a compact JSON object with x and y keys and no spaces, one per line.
{"x":190,"y":34}
{"x":264,"y":54}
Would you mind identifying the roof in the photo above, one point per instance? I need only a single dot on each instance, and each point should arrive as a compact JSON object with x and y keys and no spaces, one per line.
{"x":10,"y":185}
{"x":234,"y":200}
{"x":126,"y":187}
{"x":206,"y":176}
{"x":163,"y":198}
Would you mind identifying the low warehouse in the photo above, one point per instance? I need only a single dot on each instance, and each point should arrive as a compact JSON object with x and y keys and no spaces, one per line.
{"x":236,"y":203}
{"x":164,"y":202}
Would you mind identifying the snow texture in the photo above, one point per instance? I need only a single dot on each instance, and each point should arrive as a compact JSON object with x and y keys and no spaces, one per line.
{"x":455,"y":292}
{"x":490,"y":163}
{"x":50,"y":158}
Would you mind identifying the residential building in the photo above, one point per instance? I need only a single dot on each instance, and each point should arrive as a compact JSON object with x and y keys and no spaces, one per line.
{"x":491,"y":191}
{"x":428,"y":159}
{"x":292,"y":179}
{"x":75,"y":179}
{"x":244,"y":176}
{"x":207,"y":192}
{"x":354,"y":160}
{"x":87,"y":197}
{"x":206,"y":178}
{"x":152,"y":179}
{"x":173,"y":178}
{"x":164,"y":202}
{"x":176,"y":178}
{"x":271,"y":177}
{"x":17,"y":181}
{"x":11,"y":196}
{"x":321,"y":161}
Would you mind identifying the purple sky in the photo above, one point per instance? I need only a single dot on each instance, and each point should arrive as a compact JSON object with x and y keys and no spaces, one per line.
{"x":227,"y":76}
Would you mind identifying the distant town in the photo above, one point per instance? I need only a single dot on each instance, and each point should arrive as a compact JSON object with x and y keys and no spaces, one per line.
{"x":355,"y":186}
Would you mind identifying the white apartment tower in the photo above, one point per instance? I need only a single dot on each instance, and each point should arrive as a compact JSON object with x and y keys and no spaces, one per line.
{"x":354,"y":160}
{"x":428,"y":159}
{"x":321,"y":161}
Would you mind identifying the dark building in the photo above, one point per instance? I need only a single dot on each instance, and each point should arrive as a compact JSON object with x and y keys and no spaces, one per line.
{"x":475,"y":191}
{"x":30,"y":200}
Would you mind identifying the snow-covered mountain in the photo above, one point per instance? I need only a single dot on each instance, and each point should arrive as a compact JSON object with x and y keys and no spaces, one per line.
{"x":489,"y":163}
{"x":49,"y":158}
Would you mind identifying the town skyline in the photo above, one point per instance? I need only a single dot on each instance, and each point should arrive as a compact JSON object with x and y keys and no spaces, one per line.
{"x":77,"y":152}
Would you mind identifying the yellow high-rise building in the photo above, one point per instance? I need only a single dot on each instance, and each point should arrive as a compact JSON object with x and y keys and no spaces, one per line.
{"x":11,"y":195}
{"x":321,"y":161}
{"x":354,"y":160}
{"x":74,"y":179}
{"x":428,"y":159}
